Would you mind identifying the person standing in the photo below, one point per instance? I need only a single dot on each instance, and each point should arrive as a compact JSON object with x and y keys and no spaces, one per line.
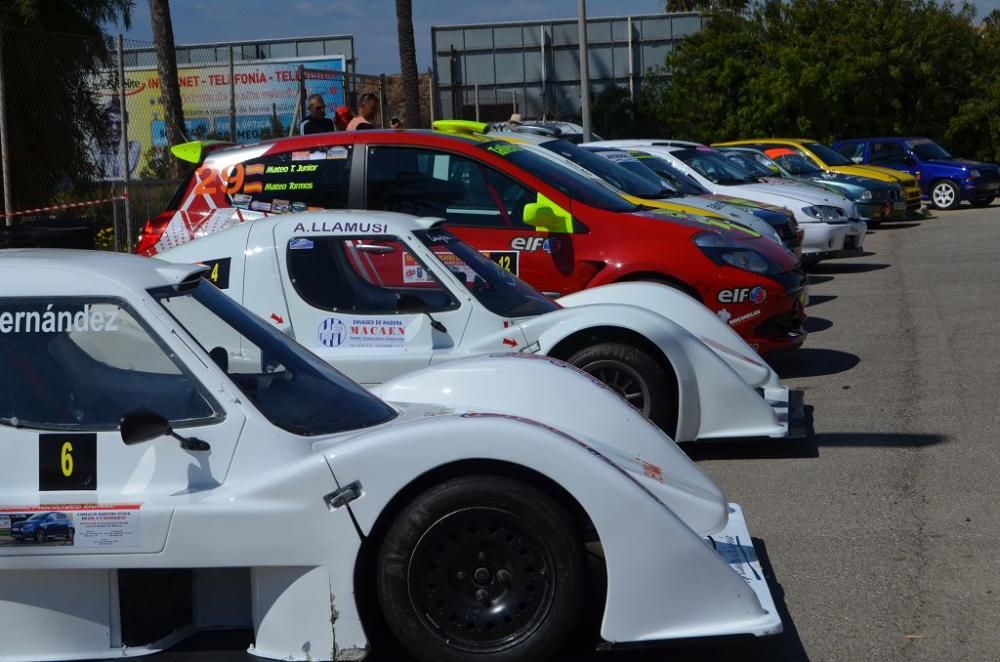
{"x":318,"y":122}
{"x":367,"y":112}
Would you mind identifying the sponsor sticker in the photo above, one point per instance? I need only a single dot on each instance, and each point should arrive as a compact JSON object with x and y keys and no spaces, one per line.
{"x":255,"y":169}
{"x":382,"y":333}
{"x":70,"y":525}
{"x":531,"y":244}
{"x":725,"y":315}
{"x":336,"y":153}
{"x":300,"y":156}
{"x":300,"y":244}
{"x":745,"y":317}
{"x":298,"y":206}
{"x":280,"y":206}
{"x":755,"y":295}
{"x":46,"y":320}
{"x":253,"y":187}
{"x":242,"y":200}
{"x":257,"y":205}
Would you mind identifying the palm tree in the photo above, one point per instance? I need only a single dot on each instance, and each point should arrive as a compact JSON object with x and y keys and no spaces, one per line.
{"x":408,"y":63}
{"x":166,"y":65}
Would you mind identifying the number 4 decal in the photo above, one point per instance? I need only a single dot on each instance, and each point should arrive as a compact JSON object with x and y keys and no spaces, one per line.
{"x":67,"y":462}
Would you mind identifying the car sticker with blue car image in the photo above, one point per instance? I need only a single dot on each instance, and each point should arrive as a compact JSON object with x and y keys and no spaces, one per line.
{"x":89,"y":525}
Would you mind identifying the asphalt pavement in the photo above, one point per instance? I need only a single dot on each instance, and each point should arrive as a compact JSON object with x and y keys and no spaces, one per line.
{"x":881,"y":532}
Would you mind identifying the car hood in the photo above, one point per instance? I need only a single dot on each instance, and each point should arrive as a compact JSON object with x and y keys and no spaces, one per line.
{"x":876,"y":172}
{"x":961,"y":163}
{"x":742,"y":202}
{"x":810,"y":195}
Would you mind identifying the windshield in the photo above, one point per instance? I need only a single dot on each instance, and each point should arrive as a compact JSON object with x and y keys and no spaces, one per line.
{"x":609,"y":171}
{"x":751,"y":164}
{"x":36,"y":517}
{"x":296,"y":390}
{"x":827,"y":155}
{"x":797,"y":164}
{"x":678,"y":180}
{"x":715,"y":167}
{"x":570,"y":183}
{"x":500,"y":291}
{"x":928,"y":151}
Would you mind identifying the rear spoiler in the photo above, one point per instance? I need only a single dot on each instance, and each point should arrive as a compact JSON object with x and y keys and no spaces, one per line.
{"x":195,"y":151}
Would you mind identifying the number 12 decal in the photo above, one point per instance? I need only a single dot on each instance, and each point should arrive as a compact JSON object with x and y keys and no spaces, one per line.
{"x":67,"y":462}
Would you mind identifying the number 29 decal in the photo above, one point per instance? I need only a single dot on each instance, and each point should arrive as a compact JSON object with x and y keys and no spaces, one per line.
{"x":67,"y":462}
{"x":211,"y":181}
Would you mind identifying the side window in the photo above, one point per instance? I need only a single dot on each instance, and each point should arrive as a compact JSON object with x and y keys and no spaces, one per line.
{"x":432,"y":183}
{"x":362,"y":275}
{"x":887,"y":153}
{"x":83,"y":363}
{"x":854,"y":151}
{"x":296,"y":181}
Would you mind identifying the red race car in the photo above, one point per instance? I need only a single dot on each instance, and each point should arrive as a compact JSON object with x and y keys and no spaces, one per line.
{"x":554,"y":226}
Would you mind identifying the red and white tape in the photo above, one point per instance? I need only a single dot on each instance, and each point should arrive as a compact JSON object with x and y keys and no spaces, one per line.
{"x":70,"y":205}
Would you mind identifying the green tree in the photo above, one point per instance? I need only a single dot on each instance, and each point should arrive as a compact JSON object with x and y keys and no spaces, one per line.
{"x":824,"y":69}
{"x":53,"y":53}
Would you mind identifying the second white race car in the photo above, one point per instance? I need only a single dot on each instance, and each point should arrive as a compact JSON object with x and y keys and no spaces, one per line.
{"x":380,"y":295}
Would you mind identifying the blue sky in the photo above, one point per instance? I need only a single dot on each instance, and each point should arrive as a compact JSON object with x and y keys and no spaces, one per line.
{"x":373,"y":23}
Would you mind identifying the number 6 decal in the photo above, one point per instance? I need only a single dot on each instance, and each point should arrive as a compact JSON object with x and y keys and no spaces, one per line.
{"x":67,"y":462}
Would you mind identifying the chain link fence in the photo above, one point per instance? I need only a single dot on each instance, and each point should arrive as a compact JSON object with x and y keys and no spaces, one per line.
{"x":87,"y":143}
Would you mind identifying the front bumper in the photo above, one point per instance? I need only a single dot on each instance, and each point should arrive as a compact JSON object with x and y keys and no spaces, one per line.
{"x":789,"y":405}
{"x":780,"y":326}
{"x":979,"y":190}
{"x":826,"y":241}
{"x":735,"y":545}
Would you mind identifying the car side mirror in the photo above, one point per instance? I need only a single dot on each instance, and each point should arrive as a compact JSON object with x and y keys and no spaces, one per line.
{"x":143,"y":424}
{"x":545,"y":215}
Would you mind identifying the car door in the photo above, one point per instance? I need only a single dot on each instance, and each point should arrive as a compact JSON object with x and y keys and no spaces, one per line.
{"x":481,"y":205}
{"x":891,"y":155}
{"x":71,"y":368}
{"x":365,"y":303}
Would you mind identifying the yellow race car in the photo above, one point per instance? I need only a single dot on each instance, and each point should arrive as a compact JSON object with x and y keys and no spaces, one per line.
{"x":833,"y":161}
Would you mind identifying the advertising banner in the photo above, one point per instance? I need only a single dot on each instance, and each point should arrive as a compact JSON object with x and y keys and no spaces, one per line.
{"x":266,"y":97}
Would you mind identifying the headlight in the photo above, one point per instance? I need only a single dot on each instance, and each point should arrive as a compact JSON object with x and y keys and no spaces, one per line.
{"x":824,"y":213}
{"x":866,"y":195}
{"x":974,"y":174}
{"x":723,"y":252}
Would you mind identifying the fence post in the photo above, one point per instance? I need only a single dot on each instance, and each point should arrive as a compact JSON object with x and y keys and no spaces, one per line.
{"x":431,"y":95}
{"x":126,"y":166}
{"x":476,"y":88}
{"x":8,"y":203}
{"x":232,"y":99}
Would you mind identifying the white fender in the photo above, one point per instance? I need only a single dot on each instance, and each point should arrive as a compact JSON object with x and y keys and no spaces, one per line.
{"x":688,"y":313}
{"x":664,"y":581}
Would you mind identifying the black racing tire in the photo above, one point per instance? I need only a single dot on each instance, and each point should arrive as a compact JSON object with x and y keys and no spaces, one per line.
{"x":70,"y":534}
{"x":982,"y":202}
{"x":481,"y":568}
{"x":40,"y":536}
{"x":636,"y":376}
{"x":945,"y":195}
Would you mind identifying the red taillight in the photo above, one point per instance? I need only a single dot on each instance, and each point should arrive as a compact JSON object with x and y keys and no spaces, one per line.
{"x":151,"y":232}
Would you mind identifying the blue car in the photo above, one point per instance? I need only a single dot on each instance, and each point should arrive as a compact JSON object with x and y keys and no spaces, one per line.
{"x":42,"y":527}
{"x":944,"y":179}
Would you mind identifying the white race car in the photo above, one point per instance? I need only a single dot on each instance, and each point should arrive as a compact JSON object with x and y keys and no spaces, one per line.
{"x":379,"y":295}
{"x":153,"y":485}
{"x":830,"y":222}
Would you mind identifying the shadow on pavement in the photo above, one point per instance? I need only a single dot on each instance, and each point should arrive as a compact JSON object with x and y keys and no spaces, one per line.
{"x":816,"y":324}
{"x":811,"y":362}
{"x":846,"y":267}
{"x":816,"y":280}
{"x":878,"y":439}
{"x":900,"y":225}
{"x":817,"y":299}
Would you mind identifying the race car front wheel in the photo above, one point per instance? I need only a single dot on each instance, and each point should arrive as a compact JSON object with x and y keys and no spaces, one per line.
{"x":481,"y":568}
{"x":636,"y":376}
{"x":945,"y":195}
